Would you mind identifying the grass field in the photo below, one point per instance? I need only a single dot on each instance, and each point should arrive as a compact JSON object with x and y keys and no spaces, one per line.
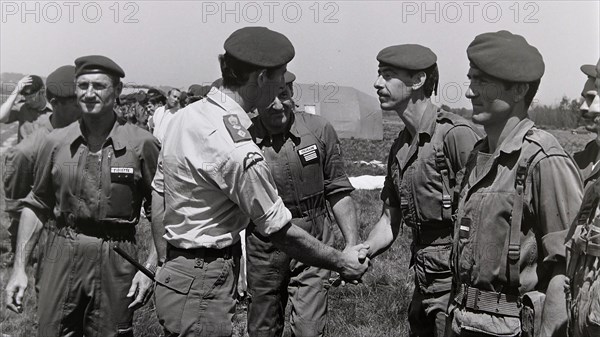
{"x":377,"y":307}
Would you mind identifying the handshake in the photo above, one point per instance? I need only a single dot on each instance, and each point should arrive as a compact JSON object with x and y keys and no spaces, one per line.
{"x":354,"y":263}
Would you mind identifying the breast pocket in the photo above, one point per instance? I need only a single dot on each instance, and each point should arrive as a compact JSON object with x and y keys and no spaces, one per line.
{"x":122,"y":185}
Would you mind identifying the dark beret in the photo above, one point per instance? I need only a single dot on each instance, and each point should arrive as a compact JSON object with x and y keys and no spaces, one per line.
{"x":35,"y":86}
{"x":407,"y":56}
{"x":61,"y":82}
{"x":506,"y":56}
{"x":94,"y":64}
{"x":590,"y":70}
{"x":289,"y":77}
{"x":153,"y":92}
{"x":195,"y":90}
{"x":260,"y":46}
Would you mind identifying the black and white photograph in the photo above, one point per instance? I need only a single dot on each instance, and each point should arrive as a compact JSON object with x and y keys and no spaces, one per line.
{"x":300,"y":168}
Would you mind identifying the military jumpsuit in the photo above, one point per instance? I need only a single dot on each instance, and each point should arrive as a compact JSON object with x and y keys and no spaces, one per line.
{"x":96,"y":199}
{"x":514,"y":209}
{"x":307,"y":167}
{"x":420,"y":182}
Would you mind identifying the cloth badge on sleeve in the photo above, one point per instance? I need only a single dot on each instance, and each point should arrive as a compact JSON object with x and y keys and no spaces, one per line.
{"x":237,"y":132}
{"x":121,"y":174}
{"x":309,"y":155}
{"x":251,"y":159}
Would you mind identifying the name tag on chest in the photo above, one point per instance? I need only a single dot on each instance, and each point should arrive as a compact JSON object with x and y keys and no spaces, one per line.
{"x":121,"y":174}
{"x":309,"y":155}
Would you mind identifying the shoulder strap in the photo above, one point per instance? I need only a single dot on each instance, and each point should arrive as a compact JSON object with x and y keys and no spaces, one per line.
{"x":514,"y":243}
{"x":444,"y":169}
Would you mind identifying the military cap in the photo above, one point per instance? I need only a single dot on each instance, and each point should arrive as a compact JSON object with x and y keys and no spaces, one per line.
{"x":61,"y":82}
{"x":153,"y":92}
{"x":407,"y":56}
{"x":195,"y":90}
{"x":506,"y":56}
{"x":260,"y":47}
{"x":289,"y":77}
{"x":35,"y":86}
{"x":590,"y":70}
{"x":97,"y":64}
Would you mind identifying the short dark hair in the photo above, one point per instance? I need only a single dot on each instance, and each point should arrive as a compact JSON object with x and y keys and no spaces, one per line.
{"x":530,"y":94}
{"x":236,"y":73}
{"x":170,"y":91}
{"x":431,"y":81}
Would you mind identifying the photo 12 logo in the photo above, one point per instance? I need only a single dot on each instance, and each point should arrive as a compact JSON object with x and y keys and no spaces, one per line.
{"x":70,"y":11}
{"x":469,"y":11}
{"x":251,"y":12}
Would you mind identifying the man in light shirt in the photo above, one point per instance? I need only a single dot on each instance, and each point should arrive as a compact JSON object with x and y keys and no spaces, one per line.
{"x":164,"y":114}
{"x":212,"y":181}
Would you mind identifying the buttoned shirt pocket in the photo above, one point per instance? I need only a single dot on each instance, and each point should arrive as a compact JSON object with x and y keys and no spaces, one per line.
{"x":124,"y":196}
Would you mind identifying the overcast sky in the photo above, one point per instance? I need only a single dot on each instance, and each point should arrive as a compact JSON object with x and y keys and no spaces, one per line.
{"x":176,"y":43}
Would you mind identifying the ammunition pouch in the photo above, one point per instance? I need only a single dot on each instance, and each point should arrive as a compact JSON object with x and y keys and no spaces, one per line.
{"x":528,"y":308}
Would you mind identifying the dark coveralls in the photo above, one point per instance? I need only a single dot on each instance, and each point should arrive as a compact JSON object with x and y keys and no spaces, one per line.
{"x":307,"y":167}
{"x":420,"y":181}
{"x":96,"y":200}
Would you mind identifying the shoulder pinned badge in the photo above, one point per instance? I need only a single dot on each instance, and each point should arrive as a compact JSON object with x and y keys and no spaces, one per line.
{"x":237,"y":132}
{"x":251,"y":159}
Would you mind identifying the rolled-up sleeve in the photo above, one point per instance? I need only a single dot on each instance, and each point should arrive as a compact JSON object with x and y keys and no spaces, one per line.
{"x":149,"y":160}
{"x":158,"y":183}
{"x":336,"y":180}
{"x":246,"y":179}
{"x":556,"y":199}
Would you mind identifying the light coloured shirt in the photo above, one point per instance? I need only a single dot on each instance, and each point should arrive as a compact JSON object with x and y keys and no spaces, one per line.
{"x":161,"y":119}
{"x":214,"y":178}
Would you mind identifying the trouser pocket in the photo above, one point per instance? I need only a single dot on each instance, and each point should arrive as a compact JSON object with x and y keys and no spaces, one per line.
{"x":432,"y":269}
{"x":170,"y":295}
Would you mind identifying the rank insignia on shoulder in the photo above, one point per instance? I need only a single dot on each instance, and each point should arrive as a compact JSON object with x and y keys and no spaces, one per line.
{"x":251,"y":159}
{"x":309,"y":155}
{"x":237,"y":132}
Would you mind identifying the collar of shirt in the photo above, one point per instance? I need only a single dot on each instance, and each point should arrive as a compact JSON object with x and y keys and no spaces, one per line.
{"x":261,"y":135}
{"x":117,"y":136}
{"x":229,"y":105}
{"x":428,"y":120}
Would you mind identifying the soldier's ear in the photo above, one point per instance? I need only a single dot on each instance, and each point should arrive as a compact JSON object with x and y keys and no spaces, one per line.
{"x":418,"y":80}
{"x":519,"y":91}
{"x":261,"y":78}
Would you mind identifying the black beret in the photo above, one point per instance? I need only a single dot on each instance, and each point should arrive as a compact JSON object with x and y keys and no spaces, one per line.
{"x":289,"y":77}
{"x":153,"y":92}
{"x":260,"y":46}
{"x":407,"y":56}
{"x":35,"y":86}
{"x":506,"y":56}
{"x":590,"y":70}
{"x":93,"y":64}
{"x":61,"y":82}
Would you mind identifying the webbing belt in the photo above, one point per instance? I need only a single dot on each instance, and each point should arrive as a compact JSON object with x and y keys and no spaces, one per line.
{"x":488,"y":301}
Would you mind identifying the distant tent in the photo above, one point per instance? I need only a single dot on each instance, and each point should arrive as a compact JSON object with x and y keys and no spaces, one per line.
{"x":352,"y":113}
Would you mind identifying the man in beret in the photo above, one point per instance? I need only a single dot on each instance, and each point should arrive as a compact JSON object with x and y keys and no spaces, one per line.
{"x":24,"y":105}
{"x":19,"y":160}
{"x":588,"y":159}
{"x":583,"y":291}
{"x":93,"y":177}
{"x":303,"y":153}
{"x":164,"y":114}
{"x":212,"y":181}
{"x":520,"y":191}
{"x":423,"y":166}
